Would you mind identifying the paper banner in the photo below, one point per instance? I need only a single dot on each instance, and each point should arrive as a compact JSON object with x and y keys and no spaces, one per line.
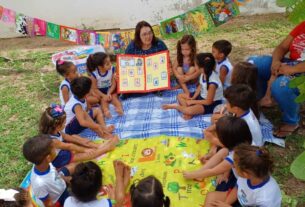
{"x":53,"y":30}
{"x":222,"y":10}
{"x":68,"y":34}
{"x":104,"y":39}
{"x":86,"y":37}
{"x":8,"y":16}
{"x":1,"y":11}
{"x":173,"y":27}
{"x":157,"y":31}
{"x":117,"y":43}
{"x":21,"y":24}
{"x":30,"y":26}
{"x":198,"y":20}
{"x":40,"y":27}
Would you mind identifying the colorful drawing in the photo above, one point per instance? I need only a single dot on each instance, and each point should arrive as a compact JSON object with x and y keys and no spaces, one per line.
{"x":8,"y":16}
{"x":117,"y":43}
{"x":40,"y":27}
{"x":174,"y":187}
{"x":198,"y":20}
{"x":21,"y":24}
{"x":148,"y":154}
{"x":222,"y":10}
{"x":53,"y":30}
{"x":170,"y":159}
{"x":157,"y":31}
{"x":30,"y":26}
{"x":86,"y":37}
{"x":145,"y":73}
{"x":173,"y":27}
{"x":1,"y":12}
{"x":125,"y":83}
{"x":104,"y":39}
{"x":68,"y":34}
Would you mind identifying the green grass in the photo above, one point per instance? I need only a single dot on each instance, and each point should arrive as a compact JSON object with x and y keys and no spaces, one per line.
{"x":26,"y":88}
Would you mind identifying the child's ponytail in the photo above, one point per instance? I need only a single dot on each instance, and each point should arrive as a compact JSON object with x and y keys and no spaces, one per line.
{"x":95,"y":60}
{"x":207,"y":62}
{"x":63,"y":66}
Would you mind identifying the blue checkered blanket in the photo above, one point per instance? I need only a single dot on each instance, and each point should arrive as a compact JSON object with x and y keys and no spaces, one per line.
{"x":144,"y":118}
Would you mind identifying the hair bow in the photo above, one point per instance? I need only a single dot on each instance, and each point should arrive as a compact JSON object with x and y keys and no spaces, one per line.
{"x":60,"y":61}
{"x":56,"y":110}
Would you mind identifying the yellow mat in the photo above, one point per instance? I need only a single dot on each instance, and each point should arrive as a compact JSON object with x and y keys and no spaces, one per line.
{"x":164,"y":157}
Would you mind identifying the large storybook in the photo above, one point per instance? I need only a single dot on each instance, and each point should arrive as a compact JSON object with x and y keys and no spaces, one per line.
{"x":143,"y":73}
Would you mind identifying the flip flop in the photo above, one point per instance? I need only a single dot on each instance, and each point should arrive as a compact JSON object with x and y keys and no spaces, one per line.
{"x":287,"y":132}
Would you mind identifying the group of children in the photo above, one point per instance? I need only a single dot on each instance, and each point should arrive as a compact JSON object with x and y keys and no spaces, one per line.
{"x":242,"y":166}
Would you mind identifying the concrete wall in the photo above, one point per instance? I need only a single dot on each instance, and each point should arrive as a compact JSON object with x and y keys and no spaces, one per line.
{"x":104,"y":14}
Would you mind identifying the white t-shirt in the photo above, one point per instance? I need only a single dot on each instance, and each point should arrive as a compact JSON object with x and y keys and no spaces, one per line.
{"x":59,"y":137}
{"x":70,"y":107}
{"x":213,"y":79}
{"x":47,"y":184}
{"x":229,"y":158}
{"x":103,"y":80}
{"x":64,"y":83}
{"x":266,"y":194}
{"x":255,"y":128}
{"x":73,"y":202}
{"x":228,"y":66}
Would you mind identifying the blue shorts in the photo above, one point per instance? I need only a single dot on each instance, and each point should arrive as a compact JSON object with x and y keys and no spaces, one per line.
{"x":208,"y":109}
{"x":74,"y":127}
{"x":104,"y":90}
{"x":63,"y":158}
{"x":60,"y":202}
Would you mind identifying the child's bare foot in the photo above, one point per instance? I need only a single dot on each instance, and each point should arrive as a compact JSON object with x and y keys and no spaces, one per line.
{"x":126,"y":177}
{"x":118,"y":169}
{"x":186,"y":117}
{"x":266,"y":102}
{"x":110,"y":128}
{"x":169,"y":106}
{"x":192,"y":175}
{"x":120,"y":111}
{"x":111,"y":143}
{"x":205,"y":158}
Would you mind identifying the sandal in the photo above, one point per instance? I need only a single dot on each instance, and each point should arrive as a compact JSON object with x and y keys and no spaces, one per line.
{"x":285,"y":132}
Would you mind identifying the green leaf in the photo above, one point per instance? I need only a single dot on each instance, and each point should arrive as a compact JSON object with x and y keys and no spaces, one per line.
{"x":300,"y":98}
{"x":296,"y":81}
{"x":298,"y":15}
{"x":285,"y":3}
{"x":297,"y":167}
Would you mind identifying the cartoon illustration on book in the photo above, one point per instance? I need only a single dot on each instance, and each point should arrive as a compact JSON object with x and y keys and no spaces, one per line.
{"x":144,"y":73}
{"x":86,"y":37}
{"x":173,"y":27}
{"x":68,"y":34}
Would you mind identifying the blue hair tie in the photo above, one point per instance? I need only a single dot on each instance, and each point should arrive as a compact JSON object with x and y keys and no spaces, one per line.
{"x":56,"y":111}
{"x":258,"y":152}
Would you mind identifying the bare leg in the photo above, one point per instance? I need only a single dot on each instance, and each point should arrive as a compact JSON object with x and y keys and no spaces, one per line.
{"x":92,"y":100}
{"x":94,"y":153}
{"x":118,"y":105}
{"x":105,"y":108}
{"x":214,"y":196}
{"x":266,"y":101}
{"x":119,"y":168}
{"x":190,"y":111}
{"x":98,"y":116}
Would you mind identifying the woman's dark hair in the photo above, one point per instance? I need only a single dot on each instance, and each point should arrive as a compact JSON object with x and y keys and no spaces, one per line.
{"x":232,"y":131}
{"x":148,"y":193}
{"x":190,"y":40}
{"x":256,"y":160}
{"x":246,"y":73}
{"x":86,"y":181}
{"x":48,"y":124}
{"x":63,"y":66}
{"x":22,"y":199}
{"x":81,"y":86}
{"x":207,"y":62}
{"x":137,"y":38}
{"x":95,"y":60}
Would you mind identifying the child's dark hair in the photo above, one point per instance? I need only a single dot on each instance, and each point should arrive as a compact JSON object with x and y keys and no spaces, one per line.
{"x":22,"y":199}
{"x":207,"y":62}
{"x":190,"y":40}
{"x":232,"y":131}
{"x":95,"y":60}
{"x":86,"y":181}
{"x":223,"y":46}
{"x":149,"y":193}
{"x":256,"y":160}
{"x":63,"y":66}
{"x":81,"y":86}
{"x":49,"y":122}
{"x":36,"y":149}
{"x":240,"y":95}
{"x":246,"y":73}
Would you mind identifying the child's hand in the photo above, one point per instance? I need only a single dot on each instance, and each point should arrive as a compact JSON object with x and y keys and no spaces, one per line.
{"x":189,"y":102}
{"x":109,"y":97}
{"x":275,"y":66}
{"x":221,"y":178}
{"x":286,"y":70}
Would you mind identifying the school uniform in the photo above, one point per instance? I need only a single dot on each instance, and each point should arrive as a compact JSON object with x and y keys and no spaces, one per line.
{"x":228,"y":67}
{"x":255,"y":128}
{"x":73,"y":202}
{"x":72,"y":124}
{"x":63,"y":157}
{"x":49,"y":184}
{"x":266,"y":194}
{"x":103,"y":80}
{"x":64,"y":83}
